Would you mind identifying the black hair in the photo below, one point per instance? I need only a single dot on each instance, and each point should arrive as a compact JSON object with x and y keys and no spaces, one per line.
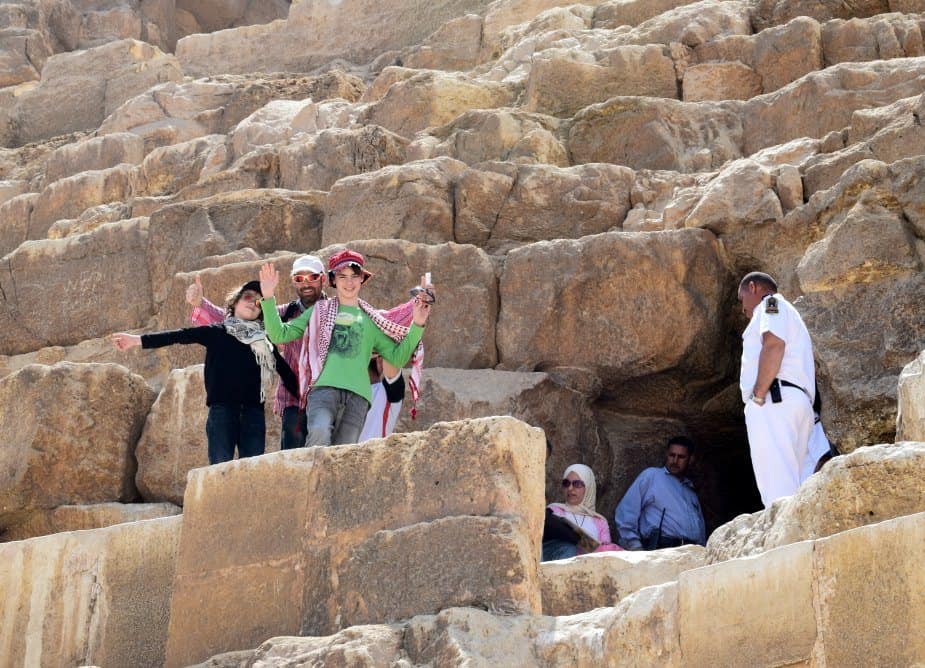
{"x":232,"y":298}
{"x":760,"y":278}
{"x":356,"y":267}
{"x":683,"y":441}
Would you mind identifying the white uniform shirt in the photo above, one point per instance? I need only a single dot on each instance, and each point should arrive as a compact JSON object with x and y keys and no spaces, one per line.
{"x":797,"y":366}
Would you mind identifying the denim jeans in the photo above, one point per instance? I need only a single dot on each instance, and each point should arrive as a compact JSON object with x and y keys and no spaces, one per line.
{"x":335,"y":416}
{"x":294,"y":428}
{"x":230,"y":425}
{"x":558,"y":549}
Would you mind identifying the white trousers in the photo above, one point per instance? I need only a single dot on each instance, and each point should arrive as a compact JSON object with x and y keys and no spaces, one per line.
{"x":818,"y":446}
{"x":778,"y":436}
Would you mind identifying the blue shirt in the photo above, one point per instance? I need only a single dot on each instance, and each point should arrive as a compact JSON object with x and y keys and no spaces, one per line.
{"x":639,"y":512}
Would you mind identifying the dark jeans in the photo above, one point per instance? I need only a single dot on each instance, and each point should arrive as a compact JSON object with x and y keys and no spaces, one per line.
{"x":230,"y":425}
{"x":335,"y":416}
{"x":558,"y":549}
{"x":294,"y":428}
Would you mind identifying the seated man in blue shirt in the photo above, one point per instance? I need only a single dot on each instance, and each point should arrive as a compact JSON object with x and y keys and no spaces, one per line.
{"x":661,"y":509}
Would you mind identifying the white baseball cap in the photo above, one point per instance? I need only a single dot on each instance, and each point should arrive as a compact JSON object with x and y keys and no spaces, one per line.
{"x":307,"y":263}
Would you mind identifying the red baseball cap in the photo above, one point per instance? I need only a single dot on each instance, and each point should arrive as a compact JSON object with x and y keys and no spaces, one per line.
{"x":348,"y":258}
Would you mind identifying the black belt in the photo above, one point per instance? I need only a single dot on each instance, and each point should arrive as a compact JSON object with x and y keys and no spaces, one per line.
{"x":775,"y":389}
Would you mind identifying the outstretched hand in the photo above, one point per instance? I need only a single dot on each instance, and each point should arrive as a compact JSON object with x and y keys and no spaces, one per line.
{"x":269,"y":279}
{"x":423,"y":301}
{"x":194,"y":293}
{"x":123,"y":341}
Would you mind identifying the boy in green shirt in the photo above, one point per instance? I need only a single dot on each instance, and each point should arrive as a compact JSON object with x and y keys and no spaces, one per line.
{"x":340,"y":335}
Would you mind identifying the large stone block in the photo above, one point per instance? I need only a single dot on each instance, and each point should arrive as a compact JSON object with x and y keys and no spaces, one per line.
{"x":910,"y":418}
{"x":877,"y":38}
{"x":650,"y":133}
{"x":289,"y":540}
{"x":23,"y":53}
{"x":603,"y":580}
{"x":720,"y":81}
{"x":168,"y":169}
{"x":68,"y":434}
{"x":98,"y":597}
{"x":79,"y":271}
{"x":96,"y":153}
{"x":173,"y":441}
{"x":692,"y":24}
{"x":626,"y":304}
{"x":14,"y":221}
{"x":81,"y":517}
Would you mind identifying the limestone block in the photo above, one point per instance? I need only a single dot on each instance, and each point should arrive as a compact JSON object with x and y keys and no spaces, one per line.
{"x":92,"y":219}
{"x":453,"y":47}
{"x":78,"y":90}
{"x":741,"y":196}
{"x":538,"y":399}
{"x":306,"y":573}
{"x":116,"y":269}
{"x":535,"y":202}
{"x":558,"y":21}
{"x":95,"y":153}
{"x":878,"y":38}
{"x":602,"y":580}
{"x":507,"y":13}
{"x":168,"y":169}
{"x":560,"y":323}
{"x":215,"y":15}
{"x":562,"y":87}
{"x":432,"y":98}
{"x":264,"y":220}
{"x":413,"y":201}
{"x":173,"y":441}
{"x":849,"y":492}
{"x":271,"y":124}
{"x":649,"y":133}
{"x":14,"y":221}
{"x":789,"y":187}
{"x":720,"y":81}
{"x":80,"y":450}
{"x":769,"y":13}
{"x":733,"y":612}
{"x":494,"y":134}
{"x":23,"y":53}
{"x":10,"y":188}
{"x":71,"y":196}
{"x":692,"y":24}
{"x":332,"y":154}
{"x":616,"y":13}
{"x":79,"y":518}
{"x":97,"y":597}
{"x":910,"y":418}
{"x":833,"y":94}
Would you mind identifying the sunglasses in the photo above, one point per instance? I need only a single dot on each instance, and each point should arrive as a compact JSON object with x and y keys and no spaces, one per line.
{"x":577,"y":484}
{"x":249,"y":297}
{"x":306,"y":278}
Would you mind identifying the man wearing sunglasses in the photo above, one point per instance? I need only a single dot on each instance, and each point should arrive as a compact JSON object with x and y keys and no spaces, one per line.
{"x":661,"y":508}
{"x":308,"y":277}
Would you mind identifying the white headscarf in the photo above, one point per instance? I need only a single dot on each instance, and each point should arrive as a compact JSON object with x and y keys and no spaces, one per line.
{"x":587,"y":505}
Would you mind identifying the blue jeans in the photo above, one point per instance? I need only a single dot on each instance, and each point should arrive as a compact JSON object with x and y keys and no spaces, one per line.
{"x":230,"y":425}
{"x":294,"y":428}
{"x":558,"y":549}
{"x":335,"y":416}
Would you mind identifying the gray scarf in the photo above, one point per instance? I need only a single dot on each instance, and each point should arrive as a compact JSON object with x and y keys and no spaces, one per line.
{"x":252,"y":333}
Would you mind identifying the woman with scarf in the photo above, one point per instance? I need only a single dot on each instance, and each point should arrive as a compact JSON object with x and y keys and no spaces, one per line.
{"x":340,"y":334}
{"x":574,"y":527}
{"x":241,"y":365}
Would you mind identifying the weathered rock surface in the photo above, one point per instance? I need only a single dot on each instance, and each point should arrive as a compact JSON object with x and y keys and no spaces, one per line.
{"x":426,"y":497}
{"x":79,"y":518}
{"x":847,"y":493}
{"x":97,"y":597}
{"x":68,"y":434}
{"x":95,"y":153}
{"x":910,"y":420}
{"x":603,"y":580}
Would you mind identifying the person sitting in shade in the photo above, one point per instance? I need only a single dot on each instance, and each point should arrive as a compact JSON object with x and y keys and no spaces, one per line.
{"x":574,"y":527}
{"x":661,"y":508}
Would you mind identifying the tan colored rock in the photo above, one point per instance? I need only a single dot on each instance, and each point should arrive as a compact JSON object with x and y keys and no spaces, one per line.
{"x":560,"y":323}
{"x":80,"y":518}
{"x":80,"y":450}
{"x":720,"y":81}
{"x":92,"y":219}
{"x":506,"y":13}
{"x":271,"y":124}
{"x":96,"y":153}
{"x":431,"y":98}
{"x":212,"y":15}
{"x":453,"y":47}
{"x":769,"y":13}
{"x":616,"y":13}
{"x":78,"y":90}
{"x":692,"y":24}
{"x":173,"y":441}
{"x":561,"y":87}
{"x":740,"y":197}
{"x":494,"y":134}
{"x":71,"y":196}
{"x":264,"y":220}
{"x":877,"y":38}
{"x":60,"y":268}
{"x":89,"y":597}
{"x":849,"y":492}
{"x":14,"y":221}
{"x":413,"y":201}
{"x":23,"y":53}
{"x":602,"y":580}
{"x":330,"y":155}
{"x":646,"y":133}
{"x":168,"y":169}
{"x":322,"y":554}
{"x":910,"y":418}
{"x":789,"y":187}
{"x":528,"y":203}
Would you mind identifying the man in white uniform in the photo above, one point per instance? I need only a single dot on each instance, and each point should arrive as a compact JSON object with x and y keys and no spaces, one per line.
{"x":777,"y":381}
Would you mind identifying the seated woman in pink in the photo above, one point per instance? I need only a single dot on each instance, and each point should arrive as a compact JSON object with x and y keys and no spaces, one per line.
{"x":585,"y":530}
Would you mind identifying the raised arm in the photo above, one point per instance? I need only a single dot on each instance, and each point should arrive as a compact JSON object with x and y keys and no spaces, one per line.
{"x":204,"y":311}
{"x":277,"y":330}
